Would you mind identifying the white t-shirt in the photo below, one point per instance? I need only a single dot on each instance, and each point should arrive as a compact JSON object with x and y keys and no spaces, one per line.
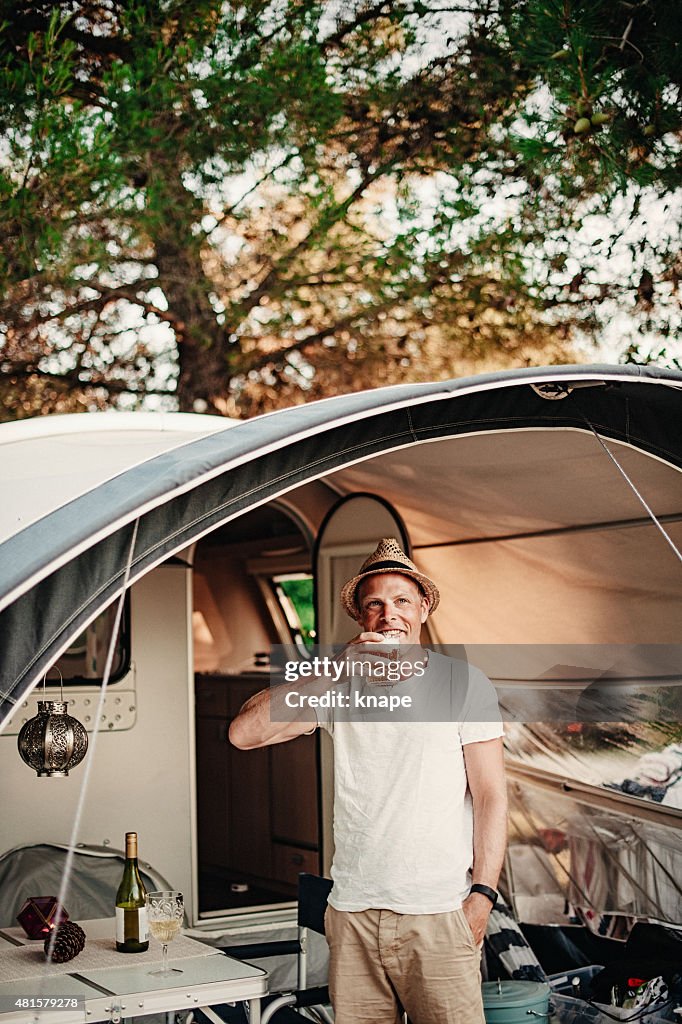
{"x":403,"y":822}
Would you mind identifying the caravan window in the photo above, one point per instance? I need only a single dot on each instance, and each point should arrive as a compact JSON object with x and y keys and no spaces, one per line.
{"x":295,"y":594}
{"x":83,"y":662}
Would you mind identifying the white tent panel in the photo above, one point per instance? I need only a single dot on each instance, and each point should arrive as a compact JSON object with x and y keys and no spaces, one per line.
{"x":617,"y":586}
{"x":46,"y":462}
{"x":519,"y":481}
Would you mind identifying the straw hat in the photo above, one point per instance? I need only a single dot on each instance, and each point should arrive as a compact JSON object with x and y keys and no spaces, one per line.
{"x":388,"y":557}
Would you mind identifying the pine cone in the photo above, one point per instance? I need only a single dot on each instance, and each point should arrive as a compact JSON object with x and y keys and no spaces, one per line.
{"x":68,"y":942}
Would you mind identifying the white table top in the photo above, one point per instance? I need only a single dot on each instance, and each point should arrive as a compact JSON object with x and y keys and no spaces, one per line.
{"x":58,"y":988}
{"x":113,"y":985}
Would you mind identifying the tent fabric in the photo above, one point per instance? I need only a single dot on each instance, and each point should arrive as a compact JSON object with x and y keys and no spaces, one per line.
{"x":59,"y":572}
{"x":523,"y":483}
{"x":48,"y":461}
{"x":604,"y":861}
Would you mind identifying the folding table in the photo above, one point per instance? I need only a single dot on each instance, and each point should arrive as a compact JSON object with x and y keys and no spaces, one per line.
{"x":101,"y":984}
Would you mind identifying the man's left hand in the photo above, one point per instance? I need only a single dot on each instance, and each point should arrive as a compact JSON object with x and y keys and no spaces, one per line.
{"x":477,"y":909}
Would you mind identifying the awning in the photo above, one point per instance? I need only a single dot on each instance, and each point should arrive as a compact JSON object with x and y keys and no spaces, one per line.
{"x":59,"y":570}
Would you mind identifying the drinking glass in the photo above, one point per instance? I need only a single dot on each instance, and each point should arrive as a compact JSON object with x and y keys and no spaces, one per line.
{"x":165,"y":912}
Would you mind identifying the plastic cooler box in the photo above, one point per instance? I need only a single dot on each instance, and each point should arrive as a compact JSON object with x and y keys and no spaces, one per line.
{"x":563,"y":983}
{"x":567,"y":1010}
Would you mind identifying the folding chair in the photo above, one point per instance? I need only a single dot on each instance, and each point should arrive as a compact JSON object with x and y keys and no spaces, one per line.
{"x":39,"y":868}
{"x":312,"y":903}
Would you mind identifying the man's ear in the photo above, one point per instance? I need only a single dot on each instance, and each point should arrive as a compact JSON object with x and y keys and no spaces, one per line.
{"x":425,"y":610}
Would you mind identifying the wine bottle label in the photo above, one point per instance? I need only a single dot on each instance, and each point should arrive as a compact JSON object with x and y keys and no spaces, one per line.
{"x":131,"y":924}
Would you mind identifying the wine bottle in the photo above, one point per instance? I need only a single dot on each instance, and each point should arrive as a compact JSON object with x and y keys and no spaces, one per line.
{"x":132,"y":935}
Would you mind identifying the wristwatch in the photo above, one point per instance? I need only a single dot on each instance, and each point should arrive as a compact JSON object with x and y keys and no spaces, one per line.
{"x":485,"y":890}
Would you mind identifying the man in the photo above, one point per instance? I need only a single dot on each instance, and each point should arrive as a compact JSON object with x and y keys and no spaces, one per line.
{"x":419,"y":814}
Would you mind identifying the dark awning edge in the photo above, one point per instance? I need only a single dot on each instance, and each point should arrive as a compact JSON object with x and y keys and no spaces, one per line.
{"x":217,"y":478}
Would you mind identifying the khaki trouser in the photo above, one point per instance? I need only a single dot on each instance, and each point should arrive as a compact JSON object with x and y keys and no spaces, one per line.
{"x":380,"y":962}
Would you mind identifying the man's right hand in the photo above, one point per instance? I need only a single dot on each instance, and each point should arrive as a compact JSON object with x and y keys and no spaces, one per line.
{"x":367,"y":638}
{"x":361,"y":649}
{"x":365,"y":641}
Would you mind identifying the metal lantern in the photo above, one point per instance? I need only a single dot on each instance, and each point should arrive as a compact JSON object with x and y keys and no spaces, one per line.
{"x":53,"y":742}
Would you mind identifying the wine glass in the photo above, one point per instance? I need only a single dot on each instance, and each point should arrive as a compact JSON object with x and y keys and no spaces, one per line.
{"x":165,"y":912}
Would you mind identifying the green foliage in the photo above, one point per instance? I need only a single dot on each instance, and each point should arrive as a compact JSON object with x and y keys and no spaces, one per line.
{"x":300,"y":594}
{"x":611,"y":76}
{"x":231,"y":207}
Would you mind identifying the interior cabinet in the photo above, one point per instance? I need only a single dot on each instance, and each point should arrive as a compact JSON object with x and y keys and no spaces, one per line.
{"x":293,"y":770}
{"x":257,"y":809}
{"x":249,"y":844}
{"x":212,"y":790}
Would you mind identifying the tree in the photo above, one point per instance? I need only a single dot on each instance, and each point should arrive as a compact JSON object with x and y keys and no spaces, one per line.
{"x":600,"y":135}
{"x":230,"y":207}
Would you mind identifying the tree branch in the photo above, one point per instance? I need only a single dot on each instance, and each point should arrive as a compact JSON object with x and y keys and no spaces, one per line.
{"x":321,"y":224}
{"x":350,"y":26}
{"x":25,"y":371}
{"x":261,"y":181}
{"x":106,"y":298}
{"x":313,"y":339}
{"x":101,"y":45}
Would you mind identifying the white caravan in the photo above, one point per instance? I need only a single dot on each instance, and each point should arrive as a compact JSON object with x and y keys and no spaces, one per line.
{"x":547,"y":503}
